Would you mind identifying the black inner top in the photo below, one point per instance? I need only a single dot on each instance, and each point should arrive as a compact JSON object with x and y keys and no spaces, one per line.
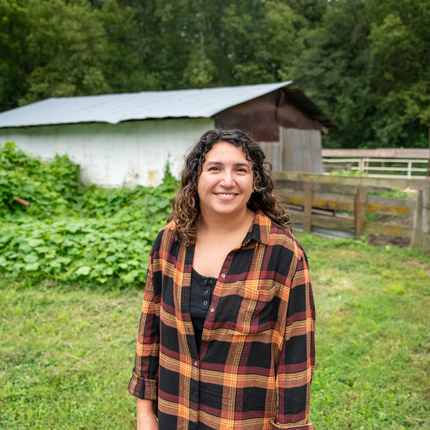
{"x":202,"y":289}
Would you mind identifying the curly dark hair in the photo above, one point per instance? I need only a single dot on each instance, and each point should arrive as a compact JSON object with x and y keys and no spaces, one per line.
{"x":186,"y":208}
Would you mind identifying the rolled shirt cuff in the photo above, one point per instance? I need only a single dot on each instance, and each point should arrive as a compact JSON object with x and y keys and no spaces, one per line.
{"x":146,"y":389}
{"x":292,"y":426}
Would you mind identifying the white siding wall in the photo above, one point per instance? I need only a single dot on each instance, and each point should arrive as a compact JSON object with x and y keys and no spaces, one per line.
{"x":129,"y":153}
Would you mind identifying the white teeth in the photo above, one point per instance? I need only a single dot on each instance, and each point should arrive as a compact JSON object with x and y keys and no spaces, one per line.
{"x":226,"y":195}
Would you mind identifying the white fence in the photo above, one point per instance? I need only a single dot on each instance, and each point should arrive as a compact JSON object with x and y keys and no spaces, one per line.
{"x":367,"y":165}
{"x":382,"y":162}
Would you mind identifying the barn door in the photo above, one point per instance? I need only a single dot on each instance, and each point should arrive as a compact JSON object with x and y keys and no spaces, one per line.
{"x":301,"y":150}
{"x":273,"y":151}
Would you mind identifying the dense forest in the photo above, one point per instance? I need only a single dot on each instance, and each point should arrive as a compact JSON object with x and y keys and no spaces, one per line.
{"x":366,"y":63}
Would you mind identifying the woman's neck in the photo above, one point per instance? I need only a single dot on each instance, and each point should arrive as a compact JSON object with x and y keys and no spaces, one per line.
{"x":214,"y":224}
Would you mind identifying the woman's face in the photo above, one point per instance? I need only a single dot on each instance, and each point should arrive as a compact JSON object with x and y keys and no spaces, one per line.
{"x":226,"y":182}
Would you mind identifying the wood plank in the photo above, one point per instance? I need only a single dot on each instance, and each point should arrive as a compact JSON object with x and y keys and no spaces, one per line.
{"x":426,"y":221}
{"x":378,"y":153}
{"x":322,"y":187}
{"x":383,"y":205}
{"x":416,"y":239}
{"x":359,"y":212}
{"x":324,"y":221}
{"x":359,"y":181}
{"x":390,"y":205}
{"x":322,"y":201}
{"x":388,"y":229}
{"x":347,"y":224}
{"x":307,"y":207}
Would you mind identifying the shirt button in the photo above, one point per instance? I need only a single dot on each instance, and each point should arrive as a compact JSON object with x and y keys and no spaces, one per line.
{"x":207,"y":337}
{"x":222,"y":275}
{"x":205,"y":281}
{"x":195,"y":363}
{"x":206,"y":291}
{"x":205,"y":302}
{"x":212,"y":309}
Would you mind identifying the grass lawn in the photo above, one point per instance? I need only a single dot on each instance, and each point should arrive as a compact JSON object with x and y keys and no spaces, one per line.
{"x":66,"y":351}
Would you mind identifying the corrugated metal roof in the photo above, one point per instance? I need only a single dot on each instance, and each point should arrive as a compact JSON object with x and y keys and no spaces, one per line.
{"x":114,"y":108}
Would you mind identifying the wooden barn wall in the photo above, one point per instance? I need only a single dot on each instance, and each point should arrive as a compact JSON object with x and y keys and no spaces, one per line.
{"x":301,"y":150}
{"x":257,"y":116}
{"x":274,"y":154}
{"x":290,"y":115}
{"x":263,"y":116}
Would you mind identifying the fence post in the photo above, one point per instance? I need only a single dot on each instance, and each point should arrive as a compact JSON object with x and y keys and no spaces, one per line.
{"x":359,"y":212}
{"x":307,"y":207}
{"x":426,"y":220}
{"x":418,"y":223}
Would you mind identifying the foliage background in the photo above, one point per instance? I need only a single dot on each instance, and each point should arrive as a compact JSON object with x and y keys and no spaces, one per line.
{"x":366,"y":63}
{"x":72,"y":232}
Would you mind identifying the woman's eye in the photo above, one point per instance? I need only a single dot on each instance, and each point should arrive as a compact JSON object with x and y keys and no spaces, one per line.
{"x":213,"y":168}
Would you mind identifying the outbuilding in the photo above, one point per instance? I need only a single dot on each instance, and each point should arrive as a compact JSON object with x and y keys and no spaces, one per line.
{"x":127,"y":139}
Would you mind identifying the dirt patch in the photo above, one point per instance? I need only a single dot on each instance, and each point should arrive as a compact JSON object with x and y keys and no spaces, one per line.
{"x":383,"y":240}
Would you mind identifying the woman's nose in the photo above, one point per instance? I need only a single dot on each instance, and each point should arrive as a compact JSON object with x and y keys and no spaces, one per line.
{"x":227,"y":180}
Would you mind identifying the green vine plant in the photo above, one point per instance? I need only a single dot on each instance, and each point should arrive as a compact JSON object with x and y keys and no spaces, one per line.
{"x":71,"y":232}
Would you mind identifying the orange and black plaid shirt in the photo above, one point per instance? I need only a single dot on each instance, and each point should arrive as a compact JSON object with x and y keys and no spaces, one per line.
{"x":255,"y":364}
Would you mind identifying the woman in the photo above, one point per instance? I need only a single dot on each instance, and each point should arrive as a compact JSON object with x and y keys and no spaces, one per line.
{"x":226,"y":337}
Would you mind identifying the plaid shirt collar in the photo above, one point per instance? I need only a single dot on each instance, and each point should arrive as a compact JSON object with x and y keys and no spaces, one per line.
{"x":259,"y":230}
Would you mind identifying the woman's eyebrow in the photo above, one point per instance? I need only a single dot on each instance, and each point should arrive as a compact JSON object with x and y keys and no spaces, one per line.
{"x":218,"y":163}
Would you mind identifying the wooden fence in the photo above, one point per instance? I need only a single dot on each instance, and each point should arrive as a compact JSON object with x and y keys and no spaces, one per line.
{"x":382,"y":162}
{"x":315,"y":200}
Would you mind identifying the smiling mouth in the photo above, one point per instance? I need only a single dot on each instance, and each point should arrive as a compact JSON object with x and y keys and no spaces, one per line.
{"x":225,"y":195}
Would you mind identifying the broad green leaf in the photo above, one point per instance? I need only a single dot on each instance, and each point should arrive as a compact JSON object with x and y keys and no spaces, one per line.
{"x":84,"y":270}
{"x":35,"y":242}
{"x":31,"y":258}
{"x":31,"y":267}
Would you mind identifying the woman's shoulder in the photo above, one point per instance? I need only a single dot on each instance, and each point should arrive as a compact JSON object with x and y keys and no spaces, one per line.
{"x":165,"y":235}
{"x":281,"y":236}
{"x":171,"y":226}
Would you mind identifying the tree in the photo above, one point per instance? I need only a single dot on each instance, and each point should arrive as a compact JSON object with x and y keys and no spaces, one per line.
{"x":14,"y":63}
{"x":66,"y":45}
{"x":219,"y":42}
{"x":363,"y":67}
{"x":400,"y":54}
{"x":124,"y":66}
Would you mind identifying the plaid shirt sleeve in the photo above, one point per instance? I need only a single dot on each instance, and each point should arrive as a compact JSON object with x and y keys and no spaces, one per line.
{"x":144,"y":381}
{"x":297,"y":360}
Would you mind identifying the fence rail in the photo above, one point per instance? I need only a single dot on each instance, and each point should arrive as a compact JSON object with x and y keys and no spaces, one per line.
{"x":364,"y":165}
{"x":365,"y":160}
{"x":378,"y":153}
{"x":315,"y":200}
{"x":357,"y":181}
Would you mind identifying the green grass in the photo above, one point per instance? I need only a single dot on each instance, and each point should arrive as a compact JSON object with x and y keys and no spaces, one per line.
{"x":66,"y":351}
{"x":373,"y":340}
{"x":66,"y":357}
